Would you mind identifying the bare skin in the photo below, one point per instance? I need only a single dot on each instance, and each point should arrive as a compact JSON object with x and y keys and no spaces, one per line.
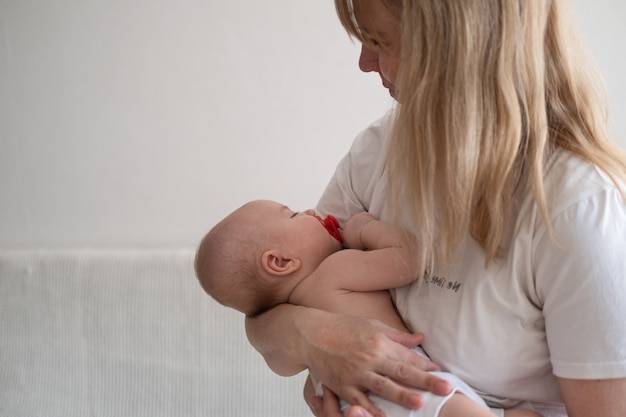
{"x":588,"y":398}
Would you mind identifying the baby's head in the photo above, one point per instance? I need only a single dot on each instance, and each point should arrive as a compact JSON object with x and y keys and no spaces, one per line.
{"x":227,"y":262}
{"x":254,"y":258}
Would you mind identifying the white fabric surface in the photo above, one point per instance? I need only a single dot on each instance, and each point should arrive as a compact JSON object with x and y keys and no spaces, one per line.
{"x":126,"y":333}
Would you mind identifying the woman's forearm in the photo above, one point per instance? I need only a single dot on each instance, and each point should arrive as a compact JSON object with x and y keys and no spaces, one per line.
{"x":590,"y":398}
{"x":276,"y":335}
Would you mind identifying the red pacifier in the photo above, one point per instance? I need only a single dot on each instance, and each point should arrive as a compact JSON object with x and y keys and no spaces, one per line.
{"x":331,"y":224}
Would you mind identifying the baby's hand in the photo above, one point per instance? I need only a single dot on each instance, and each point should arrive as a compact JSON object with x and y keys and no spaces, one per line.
{"x":352,"y":230}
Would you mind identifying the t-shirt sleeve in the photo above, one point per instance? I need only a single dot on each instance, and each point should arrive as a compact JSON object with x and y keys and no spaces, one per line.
{"x":340,"y":198}
{"x":348,"y":191}
{"x":581,"y":280}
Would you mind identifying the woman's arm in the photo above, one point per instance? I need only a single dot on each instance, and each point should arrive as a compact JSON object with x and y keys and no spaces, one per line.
{"x":275,"y":336}
{"x":348,"y":354}
{"x":582,"y":283}
{"x":592,"y":398}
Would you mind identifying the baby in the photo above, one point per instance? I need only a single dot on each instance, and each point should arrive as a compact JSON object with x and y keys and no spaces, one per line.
{"x":264,"y":254}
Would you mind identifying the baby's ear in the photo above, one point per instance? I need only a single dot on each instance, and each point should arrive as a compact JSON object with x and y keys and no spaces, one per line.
{"x":276,"y":264}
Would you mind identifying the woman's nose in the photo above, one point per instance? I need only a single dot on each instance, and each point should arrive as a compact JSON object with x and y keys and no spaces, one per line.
{"x":368,"y":60}
{"x":309,"y":212}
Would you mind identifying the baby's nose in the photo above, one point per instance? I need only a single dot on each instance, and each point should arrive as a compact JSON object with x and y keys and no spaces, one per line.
{"x":309,"y":212}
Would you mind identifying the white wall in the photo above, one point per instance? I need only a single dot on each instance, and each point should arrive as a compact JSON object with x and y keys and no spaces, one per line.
{"x":143,"y":122}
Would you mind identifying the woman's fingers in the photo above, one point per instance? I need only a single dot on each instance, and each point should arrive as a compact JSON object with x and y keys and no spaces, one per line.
{"x":331,"y":404}
{"x":413,"y":372}
{"x":404,"y":392}
{"x":396,"y":375}
{"x":325,"y":406}
{"x":314,"y":402}
{"x":358,"y":411}
{"x":353,"y":356}
{"x":407,"y":339}
{"x":328,"y":405}
{"x":356,"y":396}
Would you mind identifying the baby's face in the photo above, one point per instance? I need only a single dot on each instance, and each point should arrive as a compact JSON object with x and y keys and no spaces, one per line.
{"x":304,"y":232}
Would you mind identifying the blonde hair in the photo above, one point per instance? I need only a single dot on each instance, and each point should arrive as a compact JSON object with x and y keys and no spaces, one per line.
{"x":228,"y":268}
{"x":489,"y":90}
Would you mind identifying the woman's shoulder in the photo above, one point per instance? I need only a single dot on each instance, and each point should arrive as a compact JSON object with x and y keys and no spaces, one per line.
{"x":570,"y":178}
{"x":579,"y":196}
{"x":374,"y":136}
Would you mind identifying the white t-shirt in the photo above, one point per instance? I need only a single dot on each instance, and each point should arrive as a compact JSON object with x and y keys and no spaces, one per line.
{"x":539,"y":311}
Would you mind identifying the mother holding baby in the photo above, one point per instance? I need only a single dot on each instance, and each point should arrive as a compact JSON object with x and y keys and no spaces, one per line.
{"x":497,"y":158}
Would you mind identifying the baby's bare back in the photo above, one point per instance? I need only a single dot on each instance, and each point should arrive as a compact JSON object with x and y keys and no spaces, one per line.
{"x":368,"y":304}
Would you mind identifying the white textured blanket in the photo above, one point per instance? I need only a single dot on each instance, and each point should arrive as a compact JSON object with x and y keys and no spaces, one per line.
{"x":126,"y":333}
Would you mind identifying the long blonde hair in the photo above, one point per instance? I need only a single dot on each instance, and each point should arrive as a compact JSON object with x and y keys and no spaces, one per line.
{"x":489,"y":89}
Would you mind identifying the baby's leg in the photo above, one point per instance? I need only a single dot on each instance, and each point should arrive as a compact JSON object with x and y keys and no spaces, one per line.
{"x":521,"y":413}
{"x":460,"y":405}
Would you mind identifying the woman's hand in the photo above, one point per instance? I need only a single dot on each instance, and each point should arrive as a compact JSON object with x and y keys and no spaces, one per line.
{"x":352,"y":355}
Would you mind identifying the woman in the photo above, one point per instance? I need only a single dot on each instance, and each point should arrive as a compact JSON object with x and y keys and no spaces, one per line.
{"x":497,"y":158}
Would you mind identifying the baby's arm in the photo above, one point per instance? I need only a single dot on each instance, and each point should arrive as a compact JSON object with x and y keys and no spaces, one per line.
{"x":387,"y":244}
{"x":363,"y":231}
{"x":379,"y":256}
